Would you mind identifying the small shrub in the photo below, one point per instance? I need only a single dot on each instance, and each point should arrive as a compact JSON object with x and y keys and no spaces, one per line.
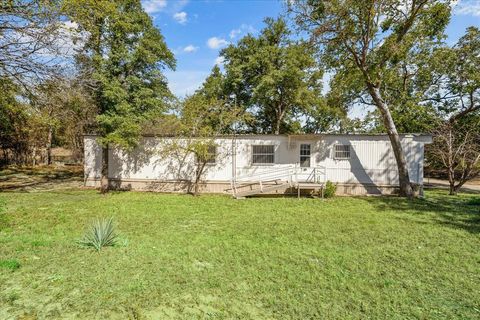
{"x":100,"y":234}
{"x":10,"y":264}
{"x":330,"y":189}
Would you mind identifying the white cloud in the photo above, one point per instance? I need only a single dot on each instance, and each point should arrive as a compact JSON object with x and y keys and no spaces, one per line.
{"x":244,"y":28}
{"x":154,"y":6}
{"x":190,"y":48}
{"x":234,"y":33}
{"x":219,"y":61}
{"x":185,"y":82}
{"x":467,"y":8}
{"x":215,"y":43}
{"x":178,"y":5}
{"x":180,"y":17}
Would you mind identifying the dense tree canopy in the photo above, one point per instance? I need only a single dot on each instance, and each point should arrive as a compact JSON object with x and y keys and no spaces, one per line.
{"x":455,"y":95}
{"x":365,"y":40}
{"x":124,"y":56}
{"x":274,"y":77}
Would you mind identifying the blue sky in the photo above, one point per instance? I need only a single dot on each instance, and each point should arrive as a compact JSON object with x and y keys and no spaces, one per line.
{"x":196,"y":30}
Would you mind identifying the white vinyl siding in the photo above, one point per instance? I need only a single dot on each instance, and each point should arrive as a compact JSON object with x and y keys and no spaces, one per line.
{"x":372,"y":160}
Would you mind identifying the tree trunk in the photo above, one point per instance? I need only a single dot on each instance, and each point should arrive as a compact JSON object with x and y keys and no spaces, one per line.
{"x":5,"y":156}
{"x":451,"y":180}
{"x":104,"y":183}
{"x":34,"y":156}
{"x":49,"y":146}
{"x":403,"y":176}
{"x":452,"y":190}
{"x":277,"y":126}
{"x":197,"y":178}
{"x":459,"y":185}
{"x":278,"y":121}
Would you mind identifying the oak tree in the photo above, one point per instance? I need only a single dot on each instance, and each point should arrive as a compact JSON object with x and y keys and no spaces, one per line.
{"x":124,"y":55}
{"x":368,"y":38}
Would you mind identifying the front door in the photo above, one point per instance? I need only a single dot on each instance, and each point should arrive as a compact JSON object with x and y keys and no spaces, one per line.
{"x":305,"y":162}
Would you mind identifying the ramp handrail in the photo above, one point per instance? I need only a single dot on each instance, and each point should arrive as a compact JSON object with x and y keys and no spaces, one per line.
{"x":288,"y":174}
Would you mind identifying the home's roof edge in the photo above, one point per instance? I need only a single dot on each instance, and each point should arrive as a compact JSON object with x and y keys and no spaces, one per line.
{"x":282,"y":135}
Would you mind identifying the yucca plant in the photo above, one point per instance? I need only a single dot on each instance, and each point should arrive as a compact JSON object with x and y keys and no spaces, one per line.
{"x":100,"y":234}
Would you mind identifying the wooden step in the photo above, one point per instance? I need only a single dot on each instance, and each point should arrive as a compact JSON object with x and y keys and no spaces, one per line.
{"x":309,"y":185}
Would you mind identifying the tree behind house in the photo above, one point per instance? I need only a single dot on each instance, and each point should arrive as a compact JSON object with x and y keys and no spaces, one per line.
{"x":456,"y":97}
{"x":32,"y":39}
{"x":273,"y":77}
{"x":366,"y":39}
{"x":123,"y":57}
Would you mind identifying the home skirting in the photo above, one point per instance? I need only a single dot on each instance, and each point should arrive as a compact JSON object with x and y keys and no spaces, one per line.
{"x":224,"y":187}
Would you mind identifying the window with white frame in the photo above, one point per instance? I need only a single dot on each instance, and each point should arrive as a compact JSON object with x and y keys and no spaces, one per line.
{"x":211,"y":155}
{"x":263,"y":154}
{"x":342,"y":151}
{"x":305,"y":155}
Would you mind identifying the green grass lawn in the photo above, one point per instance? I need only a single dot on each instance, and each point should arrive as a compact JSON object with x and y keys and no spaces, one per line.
{"x":212,"y":257}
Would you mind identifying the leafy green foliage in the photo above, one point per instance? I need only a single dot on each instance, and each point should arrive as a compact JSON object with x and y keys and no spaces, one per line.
{"x":455,"y":97}
{"x":10,"y":264}
{"x":366,"y":40}
{"x":383,"y":45}
{"x":275,"y":78}
{"x":15,"y":124}
{"x":330,"y":189}
{"x":100,"y":234}
{"x":202,"y":117}
{"x":124,"y":56}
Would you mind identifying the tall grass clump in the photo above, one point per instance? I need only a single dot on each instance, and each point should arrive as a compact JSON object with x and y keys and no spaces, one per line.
{"x":101,"y":233}
{"x":9,"y":264}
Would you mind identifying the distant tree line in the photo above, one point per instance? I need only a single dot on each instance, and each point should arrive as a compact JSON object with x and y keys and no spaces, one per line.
{"x":69,"y":67}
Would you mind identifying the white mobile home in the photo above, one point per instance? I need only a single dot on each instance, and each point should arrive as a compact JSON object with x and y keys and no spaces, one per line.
{"x":245,"y":165}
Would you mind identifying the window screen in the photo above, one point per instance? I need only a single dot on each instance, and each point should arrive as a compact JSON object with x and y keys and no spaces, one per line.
{"x":304,"y":155}
{"x":211,"y":155}
{"x":342,"y":151}
{"x":263,"y":154}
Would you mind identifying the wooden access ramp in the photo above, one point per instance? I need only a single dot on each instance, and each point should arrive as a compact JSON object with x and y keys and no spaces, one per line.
{"x":277,"y":181}
{"x":261,"y":188}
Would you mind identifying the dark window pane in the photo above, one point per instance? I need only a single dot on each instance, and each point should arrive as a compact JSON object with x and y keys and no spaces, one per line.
{"x":210,"y":157}
{"x":304,"y":161}
{"x":304,"y":149}
{"x":342,"y":151}
{"x":212,"y":154}
{"x":269,"y":158}
{"x":263,"y":154}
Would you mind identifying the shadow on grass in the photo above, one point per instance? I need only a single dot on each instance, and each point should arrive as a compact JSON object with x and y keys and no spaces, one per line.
{"x":22,"y":179}
{"x":460,"y":212}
